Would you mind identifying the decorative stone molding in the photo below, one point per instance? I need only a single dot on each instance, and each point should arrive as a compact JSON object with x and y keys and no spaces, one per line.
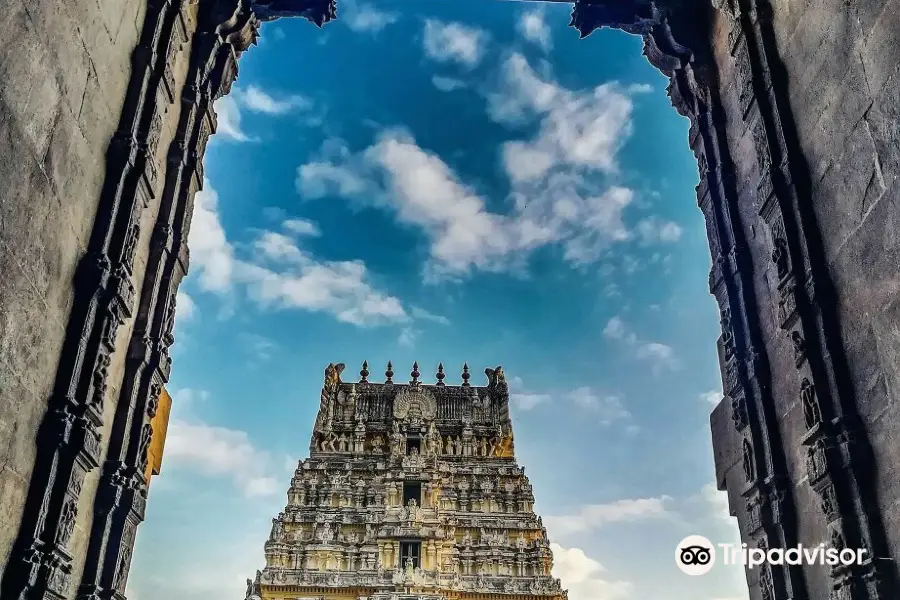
{"x":467,"y":461}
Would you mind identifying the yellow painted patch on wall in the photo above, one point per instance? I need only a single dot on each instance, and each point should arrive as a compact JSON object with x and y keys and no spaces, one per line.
{"x":160,"y":424}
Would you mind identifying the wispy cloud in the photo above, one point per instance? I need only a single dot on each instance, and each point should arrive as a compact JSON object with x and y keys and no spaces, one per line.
{"x":447,"y":84}
{"x":259,"y":346}
{"x":364,"y":17}
{"x":407,"y":337}
{"x":583,"y":576}
{"x":185,"y":308}
{"x":661,"y":356}
{"x":282,"y":275}
{"x":563,"y":180}
{"x":594,"y":516}
{"x":424,"y":192}
{"x":418,"y":312}
{"x":229,"y":110}
{"x":219,"y":451}
{"x":228,"y":119}
{"x":615,"y":330}
{"x":211,"y":253}
{"x":532,"y":27}
{"x":302,"y":227}
{"x":712,"y":397}
{"x":454,"y":42}
{"x":606,"y":408}
{"x":654,"y":230}
{"x":256,"y":100}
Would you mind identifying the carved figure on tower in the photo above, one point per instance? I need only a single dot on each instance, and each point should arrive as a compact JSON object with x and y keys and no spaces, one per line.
{"x":368,"y":511}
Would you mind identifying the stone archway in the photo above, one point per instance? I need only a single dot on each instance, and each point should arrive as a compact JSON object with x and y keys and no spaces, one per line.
{"x":796,"y":445}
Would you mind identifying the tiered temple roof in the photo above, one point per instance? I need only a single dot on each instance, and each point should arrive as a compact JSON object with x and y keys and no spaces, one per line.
{"x":410,"y":490}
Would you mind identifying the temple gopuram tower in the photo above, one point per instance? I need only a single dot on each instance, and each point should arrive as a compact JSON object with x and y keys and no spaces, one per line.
{"x":410,"y":492}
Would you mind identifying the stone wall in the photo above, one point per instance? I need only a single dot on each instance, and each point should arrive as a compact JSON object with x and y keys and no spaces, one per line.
{"x":837,"y":67}
{"x":794,"y":121}
{"x":64,"y":69}
{"x":842,"y":60}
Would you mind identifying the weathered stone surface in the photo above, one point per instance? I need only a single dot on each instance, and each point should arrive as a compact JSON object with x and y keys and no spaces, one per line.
{"x":879,"y":46}
{"x":851,"y":184}
{"x":56,"y":119}
{"x":468,"y":513}
{"x":799,"y":131}
{"x":883,"y":118}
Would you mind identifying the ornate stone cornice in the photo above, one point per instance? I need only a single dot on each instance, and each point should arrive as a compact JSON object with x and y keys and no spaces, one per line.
{"x":317,"y":12}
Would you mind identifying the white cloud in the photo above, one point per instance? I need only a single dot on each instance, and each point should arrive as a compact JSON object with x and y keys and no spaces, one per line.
{"x":582,"y":576}
{"x":654,"y":230}
{"x":526,"y":401}
{"x":712,"y":397}
{"x":615,"y":329}
{"x":640,"y":88}
{"x":563,"y":187}
{"x":259,"y":101}
{"x":447,"y":84}
{"x":564,"y":174}
{"x":259,"y":346}
{"x":278,"y":247}
{"x":219,"y":451}
{"x":407,"y":337}
{"x":228,"y":120}
{"x":336,"y":172}
{"x":717,"y":503}
{"x":533,"y":28}
{"x":339,"y":288}
{"x":302,"y":227}
{"x":185,"y":308}
{"x":595,"y":516}
{"x":607,"y":406}
{"x":579,"y":128}
{"x":522,"y":399}
{"x":661,"y":355}
{"x":424,"y":192}
{"x":184,"y":399}
{"x":364,"y":17}
{"x":228,"y":110}
{"x":454,"y":42}
{"x":282,"y":275}
{"x":211,"y":253}
{"x":420,"y":313}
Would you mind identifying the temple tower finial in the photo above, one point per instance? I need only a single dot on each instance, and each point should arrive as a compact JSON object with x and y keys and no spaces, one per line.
{"x":389,"y":373}
{"x":465,"y":375}
{"x":440,"y":374}
{"x":364,"y":373}
{"x":415,"y":373}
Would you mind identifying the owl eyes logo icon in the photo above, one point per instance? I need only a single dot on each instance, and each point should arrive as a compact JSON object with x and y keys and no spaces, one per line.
{"x":695,"y":555}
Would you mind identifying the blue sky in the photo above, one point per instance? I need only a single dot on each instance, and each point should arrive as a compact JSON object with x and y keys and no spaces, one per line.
{"x":449,"y":181}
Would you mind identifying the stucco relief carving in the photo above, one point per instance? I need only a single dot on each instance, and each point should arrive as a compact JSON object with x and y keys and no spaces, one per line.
{"x":415,"y":405}
{"x":666,"y":41}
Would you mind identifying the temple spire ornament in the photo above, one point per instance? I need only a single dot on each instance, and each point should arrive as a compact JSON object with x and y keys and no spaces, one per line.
{"x":364,"y":373}
{"x":465,"y":375}
{"x":391,"y":455}
{"x":389,"y":373}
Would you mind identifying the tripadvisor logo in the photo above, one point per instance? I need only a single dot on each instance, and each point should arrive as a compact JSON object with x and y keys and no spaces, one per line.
{"x":696,"y":555}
